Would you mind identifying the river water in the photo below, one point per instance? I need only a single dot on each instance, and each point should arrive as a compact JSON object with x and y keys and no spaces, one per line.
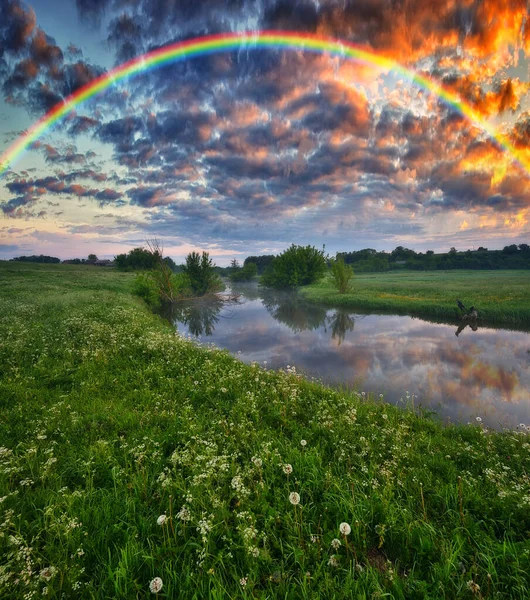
{"x":461,"y":373}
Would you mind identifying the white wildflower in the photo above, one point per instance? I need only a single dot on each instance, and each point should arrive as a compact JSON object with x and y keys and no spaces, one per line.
{"x":333,"y":562}
{"x":335,"y":544}
{"x":243,"y":581}
{"x":294,"y":498}
{"x":479,"y":420}
{"x":303,"y":443}
{"x":161,"y":520}
{"x":47,"y":573}
{"x":287,"y":469}
{"x":345,"y":529}
{"x":156,"y":585}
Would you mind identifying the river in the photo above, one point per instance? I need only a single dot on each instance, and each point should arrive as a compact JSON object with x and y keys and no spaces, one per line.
{"x":461,"y":373}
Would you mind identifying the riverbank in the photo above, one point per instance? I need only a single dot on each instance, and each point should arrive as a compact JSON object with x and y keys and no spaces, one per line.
{"x":500,"y":297}
{"x":130,"y":454}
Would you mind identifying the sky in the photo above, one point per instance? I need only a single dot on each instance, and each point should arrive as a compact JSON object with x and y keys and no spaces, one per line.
{"x":244,"y":152}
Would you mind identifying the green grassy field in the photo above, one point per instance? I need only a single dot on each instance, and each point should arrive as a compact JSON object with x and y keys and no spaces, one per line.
{"x":129,"y":454}
{"x":499,"y":296}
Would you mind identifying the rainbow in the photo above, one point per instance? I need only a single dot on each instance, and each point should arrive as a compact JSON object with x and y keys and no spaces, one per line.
{"x":257,"y":39}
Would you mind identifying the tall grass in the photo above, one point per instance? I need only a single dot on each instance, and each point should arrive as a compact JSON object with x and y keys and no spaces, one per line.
{"x":129,"y":453}
{"x":499,"y":296}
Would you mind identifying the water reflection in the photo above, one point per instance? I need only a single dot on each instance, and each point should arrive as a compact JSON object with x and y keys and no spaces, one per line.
{"x":461,"y":370}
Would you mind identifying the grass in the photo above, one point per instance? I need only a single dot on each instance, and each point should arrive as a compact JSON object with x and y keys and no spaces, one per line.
{"x":500,"y":296}
{"x":108,"y":421}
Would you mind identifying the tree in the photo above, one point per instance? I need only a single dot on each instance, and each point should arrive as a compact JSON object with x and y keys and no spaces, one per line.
{"x":234,"y":264}
{"x":249,"y":271}
{"x":201,"y":274}
{"x":92,"y":257}
{"x":341,"y":275}
{"x":298,"y":265}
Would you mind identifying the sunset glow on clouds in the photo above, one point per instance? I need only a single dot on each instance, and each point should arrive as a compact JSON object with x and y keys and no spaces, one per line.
{"x":244,"y":152}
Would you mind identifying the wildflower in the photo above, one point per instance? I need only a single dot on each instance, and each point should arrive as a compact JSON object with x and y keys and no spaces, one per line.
{"x":156,"y":585}
{"x":333,"y":562}
{"x":479,"y":420}
{"x":294,"y":498}
{"x":385,"y":416}
{"x":47,"y":573}
{"x":224,"y":390}
{"x":287,"y":469}
{"x":473,"y":587}
{"x":184,"y":514}
{"x":335,"y":544}
{"x":243,"y":581}
{"x":345,"y":529}
{"x":303,"y":443}
{"x":314,"y":539}
{"x":161,"y":520}
{"x":257,"y":461}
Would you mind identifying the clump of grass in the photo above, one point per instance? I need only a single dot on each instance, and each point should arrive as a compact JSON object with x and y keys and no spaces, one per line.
{"x":109,"y":421}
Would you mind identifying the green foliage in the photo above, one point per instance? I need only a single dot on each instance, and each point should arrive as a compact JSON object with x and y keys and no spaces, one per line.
{"x":341,"y":275}
{"x":138,"y":259}
{"x":92,"y":257}
{"x":145,"y":286}
{"x":262,"y":262}
{"x":246,"y":273}
{"x":110,"y":421}
{"x":296,"y":266}
{"x":201,"y":275}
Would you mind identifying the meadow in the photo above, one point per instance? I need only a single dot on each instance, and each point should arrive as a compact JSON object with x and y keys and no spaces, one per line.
{"x":135,"y":463}
{"x":501,"y":297}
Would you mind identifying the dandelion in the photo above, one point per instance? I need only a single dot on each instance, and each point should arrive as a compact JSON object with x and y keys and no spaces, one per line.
{"x":333,"y":562}
{"x":156,"y":585}
{"x":303,"y":443}
{"x":335,"y":544}
{"x":47,"y":573}
{"x":479,"y":420}
{"x":385,"y":416}
{"x":287,"y":469}
{"x":345,"y":529}
{"x":161,"y":520}
{"x":294,"y":498}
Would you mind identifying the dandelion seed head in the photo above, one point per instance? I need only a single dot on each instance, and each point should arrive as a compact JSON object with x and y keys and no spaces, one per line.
{"x":161,"y":520}
{"x":156,"y":585}
{"x":294,"y":498}
{"x":345,"y":529}
{"x":479,"y":420}
{"x":287,"y":469}
{"x":303,"y":443}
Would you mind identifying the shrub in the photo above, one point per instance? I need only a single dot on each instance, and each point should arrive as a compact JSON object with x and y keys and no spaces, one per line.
{"x":298,"y":265}
{"x":201,"y":275}
{"x":145,"y":286}
{"x":341,"y":275}
{"x":249,"y":271}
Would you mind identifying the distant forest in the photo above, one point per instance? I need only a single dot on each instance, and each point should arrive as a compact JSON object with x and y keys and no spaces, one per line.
{"x":364,"y":261}
{"x":372,"y":261}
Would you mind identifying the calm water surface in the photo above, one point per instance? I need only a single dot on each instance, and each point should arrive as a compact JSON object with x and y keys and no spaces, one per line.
{"x":483,"y":372}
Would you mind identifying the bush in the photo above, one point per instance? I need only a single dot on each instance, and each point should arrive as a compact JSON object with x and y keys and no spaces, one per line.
{"x":298,"y":265}
{"x":145,"y":286}
{"x":341,"y":275}
{"x":249,"y":271}
{"x":201,"y":275}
